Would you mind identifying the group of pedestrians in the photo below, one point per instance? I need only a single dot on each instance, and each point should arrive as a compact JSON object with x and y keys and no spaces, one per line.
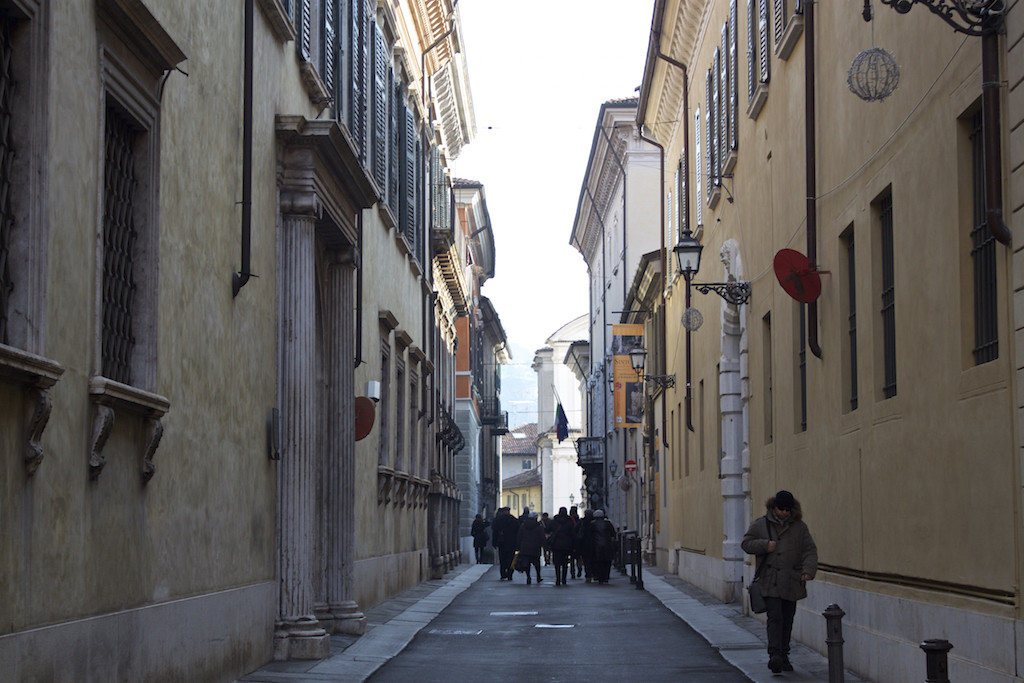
{"x":576,"y":547}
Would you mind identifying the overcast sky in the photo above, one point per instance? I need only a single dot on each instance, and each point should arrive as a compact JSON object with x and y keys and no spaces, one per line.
{"x":539,"y":71}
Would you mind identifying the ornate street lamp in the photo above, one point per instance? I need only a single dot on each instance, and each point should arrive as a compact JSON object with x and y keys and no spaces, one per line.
{"x":973,"y":17}
{"x":688,"y":252}
{"x":637,"y":358}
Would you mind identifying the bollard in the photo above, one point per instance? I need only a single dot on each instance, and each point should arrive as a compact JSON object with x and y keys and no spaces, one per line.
{"x":639,"y":565}
{"x":936,"y":660}
{"x":834,"y":639}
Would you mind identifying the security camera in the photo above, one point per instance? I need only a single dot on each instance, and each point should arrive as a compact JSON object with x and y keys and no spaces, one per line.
{"x":373,"y":391}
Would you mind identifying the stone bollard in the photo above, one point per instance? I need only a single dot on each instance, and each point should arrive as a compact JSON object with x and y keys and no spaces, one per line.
{"x":834,"y":639}
{"x":936,"y":660}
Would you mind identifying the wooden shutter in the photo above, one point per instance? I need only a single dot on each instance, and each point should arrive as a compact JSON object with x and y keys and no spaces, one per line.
{"x":711,"y":139}
{"x":381,"y":64}
{"x":763,"y":40}
{"x":722,"y":88}
{"x":357,"y":41}
{"x":394,"y":104}
{"x":734,"y":71}
{"x":305,"y":28}
{"x":328,"y":43}
{"x":781,"y":17}
{"x":408,"y":169}
{"x":699,"y":170}
{"x":752,"y":68}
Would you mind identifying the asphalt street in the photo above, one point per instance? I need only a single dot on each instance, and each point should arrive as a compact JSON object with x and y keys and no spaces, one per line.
{"x":509,"y":631}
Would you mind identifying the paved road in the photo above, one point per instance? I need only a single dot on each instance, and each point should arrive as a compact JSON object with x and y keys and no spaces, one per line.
{"x":508,"y":631}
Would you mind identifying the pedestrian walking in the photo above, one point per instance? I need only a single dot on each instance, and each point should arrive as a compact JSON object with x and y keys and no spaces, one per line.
{"x":545,"y":521}
{"x":530,"y":545}
{"x":503,"y":537}
{"x":479,"y":533}
{"x":561,"y":540}
{"x":575,"y":563}
{"x":602,"y":542}
{"x":585,"y":547}
{"x":782,"y":543}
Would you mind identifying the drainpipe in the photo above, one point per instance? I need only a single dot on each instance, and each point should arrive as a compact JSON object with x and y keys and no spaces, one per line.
{"x":811,"y":157}
{"x":990,"y":135}
{"x":359,"y":294}
{"x":239,"y":279}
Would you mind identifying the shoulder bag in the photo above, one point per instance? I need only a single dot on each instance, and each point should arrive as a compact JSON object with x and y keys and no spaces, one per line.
{"x":757,"y":604}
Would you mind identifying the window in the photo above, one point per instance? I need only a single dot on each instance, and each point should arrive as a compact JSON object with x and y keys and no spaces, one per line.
{"x":801,"y":367}
{"x":400,"y":415}
{"x":7,"y":25}
{"x":758,"y":56}
{"x":789,"y":26}
{"x":414,"y":455}
{"x":848,"y":282}
{"x":384,"y":455}
{"x":983,"y":257}
{"x":698,"y":159}
{"x":527,"y":464}
{"x":768,"y":378}
{"x":886,"y":292}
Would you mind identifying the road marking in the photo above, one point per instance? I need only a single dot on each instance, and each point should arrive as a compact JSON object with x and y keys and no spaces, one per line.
{"x":454,"y":632}
{"x":513,"y":614}
{"x":555,"y":626}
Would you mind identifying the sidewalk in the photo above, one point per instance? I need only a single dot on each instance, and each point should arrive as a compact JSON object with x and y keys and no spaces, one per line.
{"x":393,"y":624}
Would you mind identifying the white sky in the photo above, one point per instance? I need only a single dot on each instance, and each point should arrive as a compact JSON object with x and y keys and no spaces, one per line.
{"x":539,"y":71}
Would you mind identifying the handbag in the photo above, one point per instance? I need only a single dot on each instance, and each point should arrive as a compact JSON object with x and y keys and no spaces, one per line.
{"x":757,"y":604}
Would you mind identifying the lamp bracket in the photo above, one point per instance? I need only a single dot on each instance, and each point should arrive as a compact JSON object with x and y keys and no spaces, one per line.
{"x":663,"y":381}
{"x":972,"y":17}
{"x":736,"y":293}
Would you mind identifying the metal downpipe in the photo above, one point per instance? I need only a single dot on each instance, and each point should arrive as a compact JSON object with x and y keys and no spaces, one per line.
{"x":239,"y":279}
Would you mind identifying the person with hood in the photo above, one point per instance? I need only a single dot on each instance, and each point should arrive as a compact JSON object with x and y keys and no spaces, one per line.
{"x":503,"y":537}
{"x":479,"y":533}
{"x":530,"y":544}
{"x":575,"y":563}
{"x":602,"y":544}
{"x":583,"y":545}
{"x":561,"y":540}
{"x":782,"y":543}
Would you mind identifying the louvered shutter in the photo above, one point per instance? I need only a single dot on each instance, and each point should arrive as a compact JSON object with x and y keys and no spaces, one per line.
{"x":408,"y":208}
{"x":380,"y":109}
{"x":698,"y":158}
{"x":711,"y":139}
{"x":394,"y":104}
{"x":358,"y":39}
{"x":781,"y":17}
{"x":752,"y":67}
{"x":289,"y":8}
{"x":328,"y":47}
{"x":734,"y":72}
{"x":722,"y":87}
{"x":420,"y":199}
{"x":683,"y":190}
{"x":763,"y":44}
{"x":305,"y":28}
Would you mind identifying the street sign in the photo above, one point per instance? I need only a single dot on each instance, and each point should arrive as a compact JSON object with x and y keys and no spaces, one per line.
{"x":631,"y":465}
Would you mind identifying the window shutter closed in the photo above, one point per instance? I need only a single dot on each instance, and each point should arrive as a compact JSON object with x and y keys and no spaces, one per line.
{"x":711,"y":138}
{"x":722,"y":90}
{"x":407,"y":219}
{"x":699,"y":162}
{"x":781,"y":16}
{"x":394,"y":107}
{"x":358,"y":75}
{"x":752,"y":67}
{"x":305,"y":29}
{"x":380,"y":109}
{"x":734,"y":71}
{"x":763,"y":40}
{"x":328,"y":48}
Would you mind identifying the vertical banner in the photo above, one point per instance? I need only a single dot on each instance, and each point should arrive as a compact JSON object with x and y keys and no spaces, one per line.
{"x":628,"y":389}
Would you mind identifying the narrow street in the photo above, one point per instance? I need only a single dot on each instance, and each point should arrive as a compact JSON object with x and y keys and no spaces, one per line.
{"x":503,"y":631}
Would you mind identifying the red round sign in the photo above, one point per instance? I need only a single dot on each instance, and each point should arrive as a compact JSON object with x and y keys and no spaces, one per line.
{"x":631,"y":465}
{"x":797,"y":275}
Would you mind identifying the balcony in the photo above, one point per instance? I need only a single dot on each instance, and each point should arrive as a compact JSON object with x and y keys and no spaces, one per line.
{"x":590,"y":450}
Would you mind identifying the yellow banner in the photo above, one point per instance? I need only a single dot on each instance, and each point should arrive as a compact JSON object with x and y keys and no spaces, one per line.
{"x":628,"y":389}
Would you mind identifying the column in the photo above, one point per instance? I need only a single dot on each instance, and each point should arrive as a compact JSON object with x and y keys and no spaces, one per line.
{"x":733,"y":495}
{"x":298,"y":634}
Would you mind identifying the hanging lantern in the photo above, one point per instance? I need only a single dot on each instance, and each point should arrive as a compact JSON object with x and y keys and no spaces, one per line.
{"x":874,"y":75}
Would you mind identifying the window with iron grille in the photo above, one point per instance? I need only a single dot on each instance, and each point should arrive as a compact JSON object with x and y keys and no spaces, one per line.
{"x":887,"y":311}
{"x":983,"y":257}
{"x":384,"y":453}
{"x":801,"y":358}
{"x":120,"y":239}
{"x":769,"y":380}
{"x":400,"y":415}
{"x":6,"y":175}
{"x":851,"y":318}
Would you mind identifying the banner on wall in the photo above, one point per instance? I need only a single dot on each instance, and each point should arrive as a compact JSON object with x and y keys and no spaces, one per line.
{"x":627,"y":388}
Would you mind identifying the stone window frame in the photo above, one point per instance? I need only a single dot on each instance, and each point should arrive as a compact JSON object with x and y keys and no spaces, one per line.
{"x":135,"y":57}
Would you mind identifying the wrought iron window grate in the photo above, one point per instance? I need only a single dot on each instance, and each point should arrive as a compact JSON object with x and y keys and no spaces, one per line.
{"x":119,"y":240}
{"x":851,"y":267}
{"x":802,"y":362}
{"x":6,"y":180}
{"x":888,"y":310}
{"x":983,"y":257}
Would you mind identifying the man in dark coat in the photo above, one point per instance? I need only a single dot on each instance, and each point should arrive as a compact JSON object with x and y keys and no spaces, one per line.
{"x":782,"y":543}
{"x":503,"y":538}
{"x":479,"y":533}
{"x":562,"y":539}
{"x":530,"y":539}
{"x":584,"y":546}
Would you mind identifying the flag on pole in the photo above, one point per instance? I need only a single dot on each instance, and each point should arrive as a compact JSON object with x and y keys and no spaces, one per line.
{"x":561,"y":423}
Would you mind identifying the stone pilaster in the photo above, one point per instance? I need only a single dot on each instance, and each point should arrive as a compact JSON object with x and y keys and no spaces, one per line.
{"x":298,"y":634}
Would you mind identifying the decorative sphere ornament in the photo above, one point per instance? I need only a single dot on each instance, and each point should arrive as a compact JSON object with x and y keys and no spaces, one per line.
{"x":692,"y":319}
{"x":874,"y":75}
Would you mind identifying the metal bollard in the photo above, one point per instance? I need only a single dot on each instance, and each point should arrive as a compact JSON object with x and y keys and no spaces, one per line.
{"x":936,"y":660}
{"x":834,"y":639}
{"x":639,"y":565}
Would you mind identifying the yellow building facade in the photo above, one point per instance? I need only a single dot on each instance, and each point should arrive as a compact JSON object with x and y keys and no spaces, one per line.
{"x":887,"y":404}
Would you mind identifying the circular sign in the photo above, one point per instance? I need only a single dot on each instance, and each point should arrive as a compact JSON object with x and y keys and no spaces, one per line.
{"x":365,"y":413}
{"x":631,"y":465}
{"x":797,"y":275}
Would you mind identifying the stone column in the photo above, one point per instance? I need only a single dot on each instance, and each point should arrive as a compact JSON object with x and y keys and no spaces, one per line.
{"x":297,"y":633}
{"x":339,"y":442}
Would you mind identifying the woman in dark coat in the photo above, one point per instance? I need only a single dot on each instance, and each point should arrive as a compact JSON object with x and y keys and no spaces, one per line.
{"x":479,"y":533}
{"x":602,"y":543}
{"x":782,"y":542}
{"x":561,"y":540}
{"x":530,"y":544}
{"x":584,"y":548}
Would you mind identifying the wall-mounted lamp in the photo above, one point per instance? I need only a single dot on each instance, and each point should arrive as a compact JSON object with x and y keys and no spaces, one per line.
{"x":637,"y":358}
{"x":688,"y":251}
{"x":613,"y":467}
